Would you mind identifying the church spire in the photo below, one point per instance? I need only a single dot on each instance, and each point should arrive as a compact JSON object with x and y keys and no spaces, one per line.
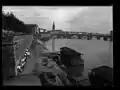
{"x":53,"y":27}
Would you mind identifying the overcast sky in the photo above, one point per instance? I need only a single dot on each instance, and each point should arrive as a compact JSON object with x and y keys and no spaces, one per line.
{"x":72,"y":18}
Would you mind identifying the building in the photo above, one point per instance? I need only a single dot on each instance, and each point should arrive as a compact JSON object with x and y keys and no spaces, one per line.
{"x":53,"y":27}
{"x":33,"y":28}
{"x":59,"y":32}
{"x":42,"y":30}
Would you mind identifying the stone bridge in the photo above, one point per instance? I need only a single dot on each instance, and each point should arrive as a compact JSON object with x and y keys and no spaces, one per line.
{"x":88,"y":36}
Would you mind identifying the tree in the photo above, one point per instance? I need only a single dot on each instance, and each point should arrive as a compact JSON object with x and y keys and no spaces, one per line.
{"x":10,"y":22}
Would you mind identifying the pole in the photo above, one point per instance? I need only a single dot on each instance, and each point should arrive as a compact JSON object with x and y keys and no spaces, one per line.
{"x":66,"y":39}
{"x":53,"y":44}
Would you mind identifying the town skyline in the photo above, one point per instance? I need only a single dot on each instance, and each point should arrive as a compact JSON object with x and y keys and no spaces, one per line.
{"x":79,"y":19}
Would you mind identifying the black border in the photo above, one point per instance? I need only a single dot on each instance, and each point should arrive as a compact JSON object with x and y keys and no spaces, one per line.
{"x":56,"y":3}
{"x":73,"y":4}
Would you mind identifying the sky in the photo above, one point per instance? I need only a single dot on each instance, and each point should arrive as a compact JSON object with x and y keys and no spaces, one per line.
{"x":68,"y":18}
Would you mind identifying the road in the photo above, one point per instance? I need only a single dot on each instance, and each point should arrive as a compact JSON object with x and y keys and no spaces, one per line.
{"x":24,"y":42}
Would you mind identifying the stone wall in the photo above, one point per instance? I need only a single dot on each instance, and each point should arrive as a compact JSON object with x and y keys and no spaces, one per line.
{"x":8,"y":62}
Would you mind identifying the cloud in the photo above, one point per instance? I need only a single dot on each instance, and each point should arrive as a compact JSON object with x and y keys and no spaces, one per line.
{"x":96,"y":19}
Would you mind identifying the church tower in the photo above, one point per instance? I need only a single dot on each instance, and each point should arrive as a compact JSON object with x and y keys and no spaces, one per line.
{"x":53,"y":27}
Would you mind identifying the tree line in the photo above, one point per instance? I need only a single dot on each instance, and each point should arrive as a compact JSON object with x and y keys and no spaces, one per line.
{"x":11,"y":23}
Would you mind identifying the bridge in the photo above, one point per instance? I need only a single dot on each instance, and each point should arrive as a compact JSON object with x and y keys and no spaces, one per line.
{"x":74,"y":35}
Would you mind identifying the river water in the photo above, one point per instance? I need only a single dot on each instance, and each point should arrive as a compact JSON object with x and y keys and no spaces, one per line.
{"x":96,"y":52}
